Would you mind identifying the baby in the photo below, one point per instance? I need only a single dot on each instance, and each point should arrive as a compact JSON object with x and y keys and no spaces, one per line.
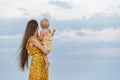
{"x":46,"y":38}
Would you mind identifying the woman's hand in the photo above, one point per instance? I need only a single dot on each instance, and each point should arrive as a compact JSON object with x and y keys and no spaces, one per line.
{"x":39,"y":45}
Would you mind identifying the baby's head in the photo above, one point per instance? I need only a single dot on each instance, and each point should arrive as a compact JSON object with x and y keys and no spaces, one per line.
{"x":45,"y":23}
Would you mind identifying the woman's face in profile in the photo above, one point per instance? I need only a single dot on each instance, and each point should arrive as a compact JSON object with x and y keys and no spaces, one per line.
{"x":36,"y":33}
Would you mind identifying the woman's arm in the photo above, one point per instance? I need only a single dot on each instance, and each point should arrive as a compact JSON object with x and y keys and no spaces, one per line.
{"x":39,"y":45}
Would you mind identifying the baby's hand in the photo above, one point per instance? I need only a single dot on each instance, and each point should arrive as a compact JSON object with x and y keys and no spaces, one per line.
{"x":54,"y":30}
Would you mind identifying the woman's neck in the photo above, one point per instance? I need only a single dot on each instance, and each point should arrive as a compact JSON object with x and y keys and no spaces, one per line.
{"x":35,"y":34}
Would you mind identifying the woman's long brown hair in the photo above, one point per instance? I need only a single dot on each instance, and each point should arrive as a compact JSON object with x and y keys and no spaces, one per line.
{"x":31,"y":28}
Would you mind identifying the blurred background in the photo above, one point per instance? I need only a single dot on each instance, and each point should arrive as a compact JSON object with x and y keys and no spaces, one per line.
{"x":86,"y":45}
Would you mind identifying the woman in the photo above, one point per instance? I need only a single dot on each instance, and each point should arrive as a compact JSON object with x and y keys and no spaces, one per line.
{"x":31,"y":47}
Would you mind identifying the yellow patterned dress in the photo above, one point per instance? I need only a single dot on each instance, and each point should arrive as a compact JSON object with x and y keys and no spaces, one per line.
{"x":37,"y":66}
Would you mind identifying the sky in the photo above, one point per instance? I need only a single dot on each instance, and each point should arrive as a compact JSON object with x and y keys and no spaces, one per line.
{"x":86,"y":45}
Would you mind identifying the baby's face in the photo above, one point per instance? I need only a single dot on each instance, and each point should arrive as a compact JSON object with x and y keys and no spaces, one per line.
{"x":43,"y":23}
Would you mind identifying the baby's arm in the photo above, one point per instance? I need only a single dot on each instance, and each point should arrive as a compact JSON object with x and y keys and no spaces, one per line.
{"x":53,"y":32}
{"x":41,"y":35}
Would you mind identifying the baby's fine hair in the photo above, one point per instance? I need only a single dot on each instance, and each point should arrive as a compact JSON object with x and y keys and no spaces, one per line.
{"x":44,"y":23}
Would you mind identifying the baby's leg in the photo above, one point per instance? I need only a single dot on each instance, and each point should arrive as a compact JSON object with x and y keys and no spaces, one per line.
{"x":46,"y":62}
